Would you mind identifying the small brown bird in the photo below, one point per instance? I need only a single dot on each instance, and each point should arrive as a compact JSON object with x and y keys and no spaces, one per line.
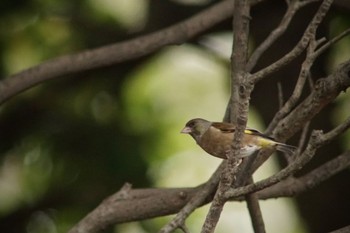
{"x":216,"y":138}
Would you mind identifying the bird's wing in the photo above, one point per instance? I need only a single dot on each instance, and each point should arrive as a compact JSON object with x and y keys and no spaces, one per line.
{"x":257,"y":133}
{"x":230,"y":128}
{"x":224,"y":127}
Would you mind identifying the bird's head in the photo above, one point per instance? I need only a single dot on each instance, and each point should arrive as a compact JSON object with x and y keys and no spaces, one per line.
{"x":196,"y":128}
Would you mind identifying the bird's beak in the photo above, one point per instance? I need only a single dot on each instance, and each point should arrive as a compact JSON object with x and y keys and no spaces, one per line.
{"x":186,"y":130}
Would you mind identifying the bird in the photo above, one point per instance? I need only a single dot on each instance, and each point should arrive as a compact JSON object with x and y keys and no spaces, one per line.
{"x":216,"y":139}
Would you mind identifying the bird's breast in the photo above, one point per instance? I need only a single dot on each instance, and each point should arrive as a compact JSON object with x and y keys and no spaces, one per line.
{"x":218,"y":144}
{"x":215,"y":143}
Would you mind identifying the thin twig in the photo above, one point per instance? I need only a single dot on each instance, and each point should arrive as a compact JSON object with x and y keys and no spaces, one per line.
{"x":305,"y":2}
{"x":334,"y":40}
{"x":293,"y":99}
{"x":280,"y":95}
{"x":293,"y":7}
{"x":294,"y":186}
{"x":336,"y":131}
{"x":284,"y":173}
{"x":300,"y":47}
{"x":317,"y":140}
{"x":324,"y":91}
{"x":302,"y":139}
{"x":312,"y":54}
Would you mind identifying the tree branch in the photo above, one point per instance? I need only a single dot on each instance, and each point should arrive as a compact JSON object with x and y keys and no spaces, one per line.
{"x":218,"y":202}
{"x":325,"y":91}
{"x":312,"y":53}
{"x":342,"y":230}
{"x":200,"y":197}
{"x":303,"y":43}
{"x":284,"y":173}
{"x":131,"y":205}
{"x":255,"y":211}
{"x":293,"y":7}
{"x":294,"y":186}
{"x":147,"y":203}
{"x":240,"y":95}
{"x":317,"y":140}
{"x":115,"y":53}
{"x":126,"y":207}
{"x":309,"y":33}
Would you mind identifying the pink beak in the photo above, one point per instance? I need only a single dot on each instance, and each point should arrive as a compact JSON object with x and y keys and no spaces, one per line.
{"x":186,"y":130}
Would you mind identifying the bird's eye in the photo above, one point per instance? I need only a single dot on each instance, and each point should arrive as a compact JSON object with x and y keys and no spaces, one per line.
{"x":190,"y":124}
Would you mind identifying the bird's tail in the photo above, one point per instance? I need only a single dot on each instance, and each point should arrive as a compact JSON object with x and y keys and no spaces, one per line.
{"x":286,"y":149}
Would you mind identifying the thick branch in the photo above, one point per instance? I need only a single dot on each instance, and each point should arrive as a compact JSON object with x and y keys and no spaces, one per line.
{"x":325,"y":91}
{"x":115,"y":53}
{"x":125,"y":206}
{"x":303,"y":43}
{"x":134,"y":204}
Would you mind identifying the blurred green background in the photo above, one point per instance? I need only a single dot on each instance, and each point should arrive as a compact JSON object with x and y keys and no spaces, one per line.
{"x":67,"y":144}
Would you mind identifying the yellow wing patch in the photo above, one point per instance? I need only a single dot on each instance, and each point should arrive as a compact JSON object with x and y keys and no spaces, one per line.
{"x":248,"y":131}
{"x":264,"y":142}
{"x":261,"y":139}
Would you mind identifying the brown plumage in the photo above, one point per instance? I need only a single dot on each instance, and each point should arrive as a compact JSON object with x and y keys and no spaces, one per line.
{"x":216,"y":138}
